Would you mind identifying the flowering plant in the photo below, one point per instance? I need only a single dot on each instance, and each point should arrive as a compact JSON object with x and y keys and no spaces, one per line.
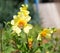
{"x":22,"y":37}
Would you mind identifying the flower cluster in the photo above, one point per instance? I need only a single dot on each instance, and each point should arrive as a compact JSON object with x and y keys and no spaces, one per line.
{"x":20,"y":21}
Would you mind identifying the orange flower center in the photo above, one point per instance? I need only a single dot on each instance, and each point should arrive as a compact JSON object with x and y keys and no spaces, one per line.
{"x":43,"y":34}
{"x":22,"y":23}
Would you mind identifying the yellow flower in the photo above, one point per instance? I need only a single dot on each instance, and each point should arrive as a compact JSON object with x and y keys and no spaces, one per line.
{"x":24,"y":13}
{"x":46,"y":33}
{"x":30,"y":42}
{"x":30,"y":39}
{"x":21,"y":24}
{"x":24,"y":16}
{"x":20,"y":21}
{"x":24,"y":7}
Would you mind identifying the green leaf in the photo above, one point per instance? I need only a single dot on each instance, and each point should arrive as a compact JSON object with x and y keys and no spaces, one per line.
{"x":9,"y":49}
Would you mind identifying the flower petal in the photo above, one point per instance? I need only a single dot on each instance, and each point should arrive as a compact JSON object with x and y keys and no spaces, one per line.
{"x":39,"y":37}
{"x":28,"y":18}
{"x":12,"y":22}
{"x":27,"y":28}
{"x":15,"y":16}
{"x":16,"y":29}
{"x":48,"y":36}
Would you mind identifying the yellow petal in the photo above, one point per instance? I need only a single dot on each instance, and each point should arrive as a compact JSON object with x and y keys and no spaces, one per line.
{"x":47,"y":52}
{"x":27,"y":28}
{"x":48,"y":36}
{"x":28,"y":18}
{"x":30,"y":39}
{"x":27,"y":12}
{"x":39,"y":37}
{"x":25,"y":5}
{"x":16,"y":29}
{"x":12,"y":22}
{"x":15,"y":16}
{"x":50,"y":30}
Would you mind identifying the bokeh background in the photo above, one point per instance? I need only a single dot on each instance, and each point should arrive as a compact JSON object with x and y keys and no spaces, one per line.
{"x":44,"y":12}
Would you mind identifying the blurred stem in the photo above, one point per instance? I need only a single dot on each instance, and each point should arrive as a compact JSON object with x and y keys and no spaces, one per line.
{"x":1,"y":40}
{"x":27,"y":38}
{"x":54,"y":44}
{"x":44,"y":50}
{"x":29,"y":50}
{"x":27,"y":41}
